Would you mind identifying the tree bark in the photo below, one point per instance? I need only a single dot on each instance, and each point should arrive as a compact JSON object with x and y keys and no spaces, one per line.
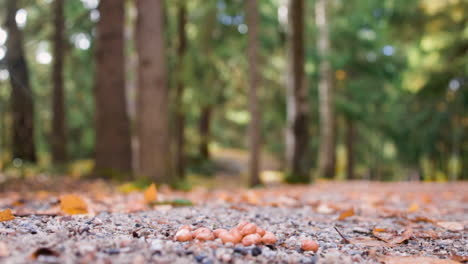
{"x":326,"y":107}
{"x":113,"y":149}
{"x":350,"y":155}
{"x":21,"y":96}
{"x":254,"y":80}
{"x":206,"y":109}
{"x":180,"y":115}
{"x":153,"y":125}
{"x":204,"y":131}
{"x":59,"y":141}
{"x":297,"y":137}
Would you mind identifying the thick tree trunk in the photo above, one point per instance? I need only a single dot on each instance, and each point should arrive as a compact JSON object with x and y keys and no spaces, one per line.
{"x":350,"y":158}
{"x":153,"y":124}
{"x":254,"y":80}
{"x":326,"y":106}
{"x":21,"y":96}
{"x":59,"y":141}
{"x":179,"y":154}
{"x":113,"y":151}
{"x":204,"y":130}
{"x":297,"y":136}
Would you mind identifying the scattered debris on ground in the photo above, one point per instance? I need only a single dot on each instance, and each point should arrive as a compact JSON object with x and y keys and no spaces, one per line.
{"x":322,"y":223}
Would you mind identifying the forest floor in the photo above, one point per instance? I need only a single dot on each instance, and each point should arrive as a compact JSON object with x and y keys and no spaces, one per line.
{"x":357,"y":222}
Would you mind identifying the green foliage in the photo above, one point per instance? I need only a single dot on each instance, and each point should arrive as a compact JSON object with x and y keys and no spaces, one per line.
{"x":401,"y":77}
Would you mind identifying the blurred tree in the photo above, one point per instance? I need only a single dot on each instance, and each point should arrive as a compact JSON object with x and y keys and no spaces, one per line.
{"x":153,"y":126}
{"x":207,"y":106}
{"x":297,"y":136}
{"x":22,"y":98}
{"x":179,"y":154}
{"x":254,"y":81}
{"x":326,"y":166}
{"x":113,"y":151}
{"x":59,"y":141}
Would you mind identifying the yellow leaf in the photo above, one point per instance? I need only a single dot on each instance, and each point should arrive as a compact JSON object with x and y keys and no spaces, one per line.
{"x":375,"y":230}
{"x":151,"y":194}
{"x":73,"y":204}
{"x":413,"y":208}
{"x":6,"y":215}
{"x":346,"y":214}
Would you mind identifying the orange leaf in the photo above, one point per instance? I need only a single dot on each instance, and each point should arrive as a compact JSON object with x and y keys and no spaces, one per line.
{"x":6,"y":215}
{"x":151,"y":194}
{"x":375,"y":230}
{"x":73,"y":204}
{"x":346,"y":214}
{"x":413,"y":208}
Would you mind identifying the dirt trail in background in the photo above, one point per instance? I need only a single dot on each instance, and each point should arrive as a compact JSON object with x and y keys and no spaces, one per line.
{"x":232,"y":165}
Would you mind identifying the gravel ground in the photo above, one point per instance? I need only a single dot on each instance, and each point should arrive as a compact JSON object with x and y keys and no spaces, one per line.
{"x":148,"y":236}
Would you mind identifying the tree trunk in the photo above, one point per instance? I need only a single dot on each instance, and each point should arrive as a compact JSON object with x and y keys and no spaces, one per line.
{"x":350,"y":138}
{"x":254,"y":79}
{"x":204,"y":130}
{"x":21,"y":95}
{"x":180,"y":115}
{"x":326,"y":108}
{"x":113,"y":150}
{"x":59,"y":141}
{"x":297,"y":136}
{"x":153,"y":125}
{"x":206,"y":43}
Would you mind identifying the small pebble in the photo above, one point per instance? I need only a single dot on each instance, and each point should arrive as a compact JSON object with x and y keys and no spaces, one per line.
{"x":256,"y":251}
{"x":260,"y":231}
{"x":269,"y":238}
{"x":229,"y":238}
{"x":248,"y":229}
{"x":183,"y":235}
{"x":205,"y":236}
{"x":309,"y":245}
{"x":218,"y":231}
{"x":252,"y":239}
{"x":200,"y":258}
{"x":240,"y":251}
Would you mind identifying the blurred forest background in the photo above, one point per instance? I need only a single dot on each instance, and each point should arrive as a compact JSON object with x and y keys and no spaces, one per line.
{"x":269,"y":90}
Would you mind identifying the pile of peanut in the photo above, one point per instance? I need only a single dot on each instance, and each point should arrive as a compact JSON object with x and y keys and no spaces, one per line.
{"x":245,"y":233}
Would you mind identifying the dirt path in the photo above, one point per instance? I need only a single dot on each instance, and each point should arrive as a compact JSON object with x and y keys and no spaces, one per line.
{"x":380,"y":223}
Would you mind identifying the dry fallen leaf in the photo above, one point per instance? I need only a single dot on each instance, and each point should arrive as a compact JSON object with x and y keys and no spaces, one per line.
{"x":346,"y":214}
{"x":73,"y":204}
{"x":458,"y":258}
{"x":378,"y":230}
{"x":363,"y":241}
{"x":4,"y":252}
{"x":6,"y":215}
{"x":251,"y":197}
{"x":413,"y":208}
{"x":407,"y":234}
{"x":368,"y":242}
{"x":151,"y":194}
{"x":419,"y":218}
{"x":44,"y":252}
{"x":415,"y":259}
{"x":452,"y":226}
